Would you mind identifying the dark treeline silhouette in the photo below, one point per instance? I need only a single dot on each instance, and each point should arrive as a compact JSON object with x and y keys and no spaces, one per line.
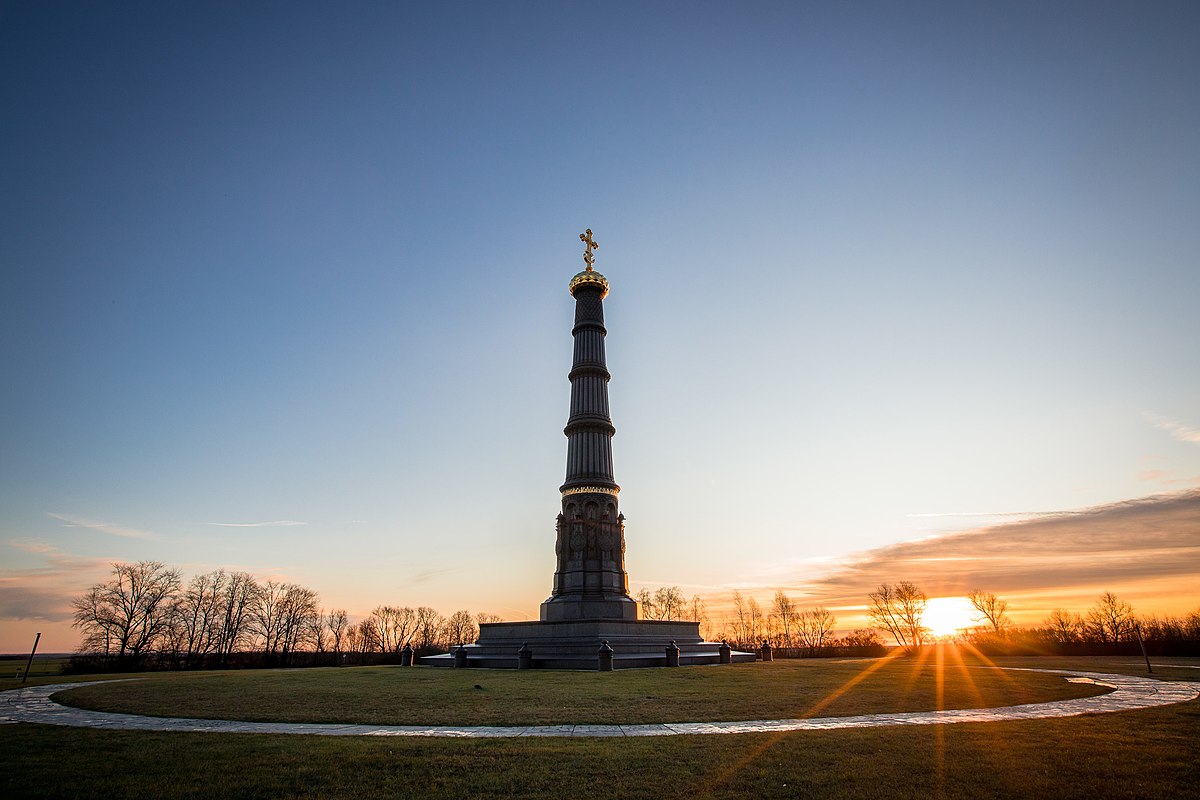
{"x":1110,"y":627}
{"x":792,"y":631}
{"x":145,"y":617}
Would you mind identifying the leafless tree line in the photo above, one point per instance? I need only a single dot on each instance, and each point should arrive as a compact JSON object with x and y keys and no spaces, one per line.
{"x":145,"y":615}
{"x":899,"y":609}
{"x":785,"y":626}
{"x":1110,"y":621}
{"x":668,"y":603}
{"x":388,"y":629}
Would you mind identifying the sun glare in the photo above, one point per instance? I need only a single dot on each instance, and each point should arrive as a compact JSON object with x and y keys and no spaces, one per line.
{"x":946,"y":616}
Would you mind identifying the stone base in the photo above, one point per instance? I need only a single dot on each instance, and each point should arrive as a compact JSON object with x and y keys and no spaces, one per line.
{"x":576,"y":644}
{"x":569,"y":608}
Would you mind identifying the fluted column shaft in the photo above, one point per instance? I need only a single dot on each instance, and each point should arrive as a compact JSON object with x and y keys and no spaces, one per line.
{"x":590,"y":581}
{"x":589,"y":429}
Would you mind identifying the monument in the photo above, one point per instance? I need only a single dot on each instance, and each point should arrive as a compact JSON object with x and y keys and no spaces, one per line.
{"x":589,"y":620}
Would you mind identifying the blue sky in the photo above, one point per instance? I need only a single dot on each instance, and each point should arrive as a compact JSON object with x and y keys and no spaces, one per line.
{"x":305,"y":263}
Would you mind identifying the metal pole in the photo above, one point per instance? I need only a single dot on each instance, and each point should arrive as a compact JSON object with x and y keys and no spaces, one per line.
{"x":1137,"y":628}
{"x":29,"y":663}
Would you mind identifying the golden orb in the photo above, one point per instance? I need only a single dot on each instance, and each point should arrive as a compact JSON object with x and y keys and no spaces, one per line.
{"x":589,"y":277}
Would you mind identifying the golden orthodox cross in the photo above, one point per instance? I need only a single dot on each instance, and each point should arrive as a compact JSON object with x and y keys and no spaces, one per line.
{"x":590,"y":245}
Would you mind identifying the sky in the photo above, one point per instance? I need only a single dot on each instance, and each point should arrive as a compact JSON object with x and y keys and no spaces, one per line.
{"x":898,"y":291}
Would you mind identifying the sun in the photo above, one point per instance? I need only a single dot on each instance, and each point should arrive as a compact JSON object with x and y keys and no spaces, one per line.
{"x":946,"y":616}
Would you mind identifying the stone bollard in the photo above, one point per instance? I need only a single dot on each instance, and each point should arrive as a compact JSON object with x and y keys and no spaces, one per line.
{"x":672,"y":654}
{"x":406,"y":656}
{"x":766,"y":651}
{"x":524,"y":657}
{"x":726,"y":653}
{"x":606,"y":657}
{"x":460,"y":657}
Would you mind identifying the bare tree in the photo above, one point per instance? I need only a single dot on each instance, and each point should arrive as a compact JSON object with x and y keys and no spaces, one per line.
{"x":395,"y":626}
{"x":236,"y":601}
{"x":785,"y":612}
{"x":282,"y":616}
{"x":362,"y":638}
{"x":460,"y":628}
{"x":646,"y":605}
{"x":1111,"y":619}
{"x":265,"y":616}
{"x":428,"y":632}
{"x":301,"y":608}
{"x":335,"y":623}
{"x":741,"y":619}
{"x":127,"y":615}
{"x":1191,"y":626}
{"x":198,"y":616}
{"x":318,"y":633}
{"x":98,"y":620}
{"x":755,"y":619}
{"x":1064,"y":626}
{"x":899,"y":610}
{"x":814,"y":625}
{"x":697,"y":611}
{"x":992,"y":611}
{"x":484,"y":618}
{"x":669,"y":602}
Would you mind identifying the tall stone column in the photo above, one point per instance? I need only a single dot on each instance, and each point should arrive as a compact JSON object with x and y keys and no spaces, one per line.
{"x":590,"y":580}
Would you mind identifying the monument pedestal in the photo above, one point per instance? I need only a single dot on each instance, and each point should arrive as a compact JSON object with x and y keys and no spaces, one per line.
{"x":571,"y":609}
{"x":576,"y":644}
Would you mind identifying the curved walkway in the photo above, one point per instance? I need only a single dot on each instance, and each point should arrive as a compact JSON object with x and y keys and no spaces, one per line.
{"x":1130,"y":692}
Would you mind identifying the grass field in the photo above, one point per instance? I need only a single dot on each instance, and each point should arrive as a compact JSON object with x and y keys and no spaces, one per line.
{"x":423,"y":696}
{"x":1149,"y":753}
{"x":12,"y":667}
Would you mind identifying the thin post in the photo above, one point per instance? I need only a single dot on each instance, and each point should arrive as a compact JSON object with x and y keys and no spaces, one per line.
{"x":1137,"y":628}
{"x":605,"y":657}
{"x":29,"y":663}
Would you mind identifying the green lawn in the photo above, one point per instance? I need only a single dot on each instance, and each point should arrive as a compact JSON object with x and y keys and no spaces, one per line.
{"x":432,"y":696}
{"x":11,"y":668}
{"x":1141,"y":754}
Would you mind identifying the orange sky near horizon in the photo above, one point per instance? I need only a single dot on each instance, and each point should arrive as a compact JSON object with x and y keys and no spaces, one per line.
{"x":1147,"y":551}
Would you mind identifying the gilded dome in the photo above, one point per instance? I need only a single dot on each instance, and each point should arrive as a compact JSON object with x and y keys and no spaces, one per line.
{"x":589,"y":277}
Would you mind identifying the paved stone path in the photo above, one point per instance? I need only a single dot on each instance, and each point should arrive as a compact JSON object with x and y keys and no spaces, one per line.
{"x":33,"y":704}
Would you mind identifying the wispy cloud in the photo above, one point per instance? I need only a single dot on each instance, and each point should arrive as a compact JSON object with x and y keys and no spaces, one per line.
{"x":1183,"y":433}
{"x":1123,"y":546}
{"x":425,"y":575}
{"x":1024,"y":514}
{"x":44,"y":592}
{"x":33,"y":547}
{"x":279,"y":523}
{"x":111,"y":528}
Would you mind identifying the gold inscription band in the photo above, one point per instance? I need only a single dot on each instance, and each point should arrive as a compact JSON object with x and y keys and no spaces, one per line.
{"x":590,"y":490}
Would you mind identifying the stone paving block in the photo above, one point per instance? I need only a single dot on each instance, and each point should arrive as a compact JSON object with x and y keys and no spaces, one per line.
{"x":493,"y":732}
{"x":597,"y":730}
{"x":549,"y":730}
{"x":646,"y":730}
